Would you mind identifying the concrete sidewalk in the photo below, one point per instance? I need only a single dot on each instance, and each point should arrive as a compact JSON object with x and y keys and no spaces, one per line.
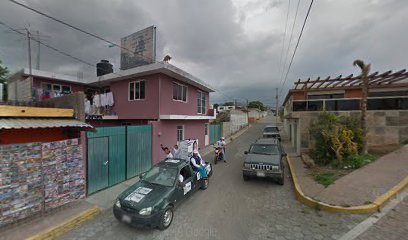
{"x":67,"y":217}
{"x":362,"y":186}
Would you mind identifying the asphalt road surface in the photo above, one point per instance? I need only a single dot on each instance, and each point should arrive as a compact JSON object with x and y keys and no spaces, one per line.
{"x":232,"y":209}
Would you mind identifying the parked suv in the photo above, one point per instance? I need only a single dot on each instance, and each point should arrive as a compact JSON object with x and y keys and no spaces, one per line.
{"x":271,"y":131}
{"x":265,"y":160}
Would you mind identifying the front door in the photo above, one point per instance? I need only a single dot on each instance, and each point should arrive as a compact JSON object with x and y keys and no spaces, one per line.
{"x":98,"y":164}
{"x":207,"y":137}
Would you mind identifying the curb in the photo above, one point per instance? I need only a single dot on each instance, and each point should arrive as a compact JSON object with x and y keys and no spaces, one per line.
{"x":54,"y":232}
{"x":369,"y":208}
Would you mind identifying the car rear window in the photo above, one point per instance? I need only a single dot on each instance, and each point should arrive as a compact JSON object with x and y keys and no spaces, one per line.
{"x":271,"y":129}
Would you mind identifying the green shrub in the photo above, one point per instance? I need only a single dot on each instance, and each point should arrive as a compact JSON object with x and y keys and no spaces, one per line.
{"x":325,"y":178}
{"x":335,"y":138}
{"x":357,"y":161}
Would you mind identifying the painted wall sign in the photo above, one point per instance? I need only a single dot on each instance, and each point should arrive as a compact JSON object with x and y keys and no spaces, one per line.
{"x":138,"y":48}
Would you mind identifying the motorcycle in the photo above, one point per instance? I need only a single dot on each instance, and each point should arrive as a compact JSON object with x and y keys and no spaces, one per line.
{"x":219,"y":156}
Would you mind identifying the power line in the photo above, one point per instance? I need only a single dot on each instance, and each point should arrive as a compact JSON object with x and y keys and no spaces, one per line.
{"x":78,"y":29}
{"x":53,"y":48}
{"x":290,"y":40}
{"x":297,"y":44}
{"x":282,"y":68}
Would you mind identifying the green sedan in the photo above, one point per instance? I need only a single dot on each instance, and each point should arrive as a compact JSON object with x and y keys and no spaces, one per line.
{"x":151,"y":201}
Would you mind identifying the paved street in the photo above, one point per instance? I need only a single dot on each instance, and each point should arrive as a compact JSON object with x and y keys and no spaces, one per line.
{"x":232,"y":209}
{"x":393,"y":226}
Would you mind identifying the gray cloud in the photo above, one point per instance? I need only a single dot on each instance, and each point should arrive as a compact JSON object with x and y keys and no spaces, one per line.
{"x":233,"y":45}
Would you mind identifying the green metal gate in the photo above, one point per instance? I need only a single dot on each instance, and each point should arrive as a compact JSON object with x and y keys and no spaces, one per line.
{"x":215,"y":133}
{"x":116,"y":154}
{"x":139,"y":150}
{"x":107,"y":147}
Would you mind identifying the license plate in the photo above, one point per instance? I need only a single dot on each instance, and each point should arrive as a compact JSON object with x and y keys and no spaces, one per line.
{"x":260,"y":174}
{"x":126,"y":219}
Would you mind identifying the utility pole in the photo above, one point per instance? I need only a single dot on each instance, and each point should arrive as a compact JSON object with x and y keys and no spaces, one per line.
{"x":29,"y":62}
{"x":276,"y":108}
{"x":247,"y":110}
{"x":38,"y":50}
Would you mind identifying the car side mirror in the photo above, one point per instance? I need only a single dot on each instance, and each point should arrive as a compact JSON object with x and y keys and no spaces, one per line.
{"x":142,"y":175}
{"x":246,"y":152}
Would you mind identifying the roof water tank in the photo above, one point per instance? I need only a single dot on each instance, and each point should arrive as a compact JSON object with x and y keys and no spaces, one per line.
{"x":103,"y":67}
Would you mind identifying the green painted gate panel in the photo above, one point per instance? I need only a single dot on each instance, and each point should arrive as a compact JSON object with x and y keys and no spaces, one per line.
{"x":98,"y":157}
{"x":113,"y":148}
{"x":139,"y":150}
{"x":117,"y":154}
{"x":215,"y":133}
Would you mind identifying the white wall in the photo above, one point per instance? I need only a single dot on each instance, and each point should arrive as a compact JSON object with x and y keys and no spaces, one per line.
{"x":19,"y":90}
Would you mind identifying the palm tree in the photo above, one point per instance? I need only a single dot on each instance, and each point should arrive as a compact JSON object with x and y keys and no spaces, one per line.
{"x":365,"y":69}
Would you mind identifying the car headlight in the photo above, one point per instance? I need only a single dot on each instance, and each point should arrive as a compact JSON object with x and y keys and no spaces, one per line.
{"x":146,"y":211}
{"x":247,"y":165}
{"x":118,"y":204}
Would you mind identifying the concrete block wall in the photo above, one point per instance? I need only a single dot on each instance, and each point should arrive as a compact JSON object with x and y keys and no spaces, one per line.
{"x":385,"y":128}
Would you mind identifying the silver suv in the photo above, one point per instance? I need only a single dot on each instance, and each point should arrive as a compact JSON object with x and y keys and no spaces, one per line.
{"x":271,"y":131}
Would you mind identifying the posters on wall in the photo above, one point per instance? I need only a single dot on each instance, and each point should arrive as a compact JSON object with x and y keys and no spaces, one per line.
{"x":39,"y":176}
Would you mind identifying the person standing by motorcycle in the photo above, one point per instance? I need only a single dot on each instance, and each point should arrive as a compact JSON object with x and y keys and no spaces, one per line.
{"x":221,"y":144}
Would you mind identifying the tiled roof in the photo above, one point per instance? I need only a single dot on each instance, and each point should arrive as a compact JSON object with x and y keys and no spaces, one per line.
{"x":24,"y":123}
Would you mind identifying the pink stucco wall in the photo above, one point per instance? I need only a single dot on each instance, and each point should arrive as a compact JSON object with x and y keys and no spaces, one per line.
{"x":169,"y":106}
{"x":74,"y":87}
{"x":137,"y":109}
{"x":165,"y":132}
{"x":158,"y":86}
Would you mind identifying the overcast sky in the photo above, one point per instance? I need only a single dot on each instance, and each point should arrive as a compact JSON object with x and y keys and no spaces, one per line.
{"x":236,"y":46}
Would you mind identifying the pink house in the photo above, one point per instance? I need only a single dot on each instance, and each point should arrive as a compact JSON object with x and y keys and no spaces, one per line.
{"x":43,"y":85}
{"x":173,"y":101}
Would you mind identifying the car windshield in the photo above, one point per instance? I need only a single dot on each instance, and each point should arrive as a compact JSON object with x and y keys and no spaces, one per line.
{"x":161,"y":176}
{"x":271,"y":129}
{"x":264,"y":149}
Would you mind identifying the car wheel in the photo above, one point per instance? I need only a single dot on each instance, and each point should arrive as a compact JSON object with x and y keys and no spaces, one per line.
{"x":281,"y":181}
{"x":246,"y":178}
{"x":166,"y":218}
{"x":206,"y":182}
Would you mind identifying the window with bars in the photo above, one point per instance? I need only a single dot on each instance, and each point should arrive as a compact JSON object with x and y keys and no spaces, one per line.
{"x":180,"y":133}
{"x":137,"y":90}
{"x":179,"y":92}
{"x":201,"y":104}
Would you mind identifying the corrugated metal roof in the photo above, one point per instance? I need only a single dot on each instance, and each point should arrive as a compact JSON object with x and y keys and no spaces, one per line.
{"x":23,"y":123}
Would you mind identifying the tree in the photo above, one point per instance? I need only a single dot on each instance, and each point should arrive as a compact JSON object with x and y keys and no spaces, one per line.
{"x":256,"y":104}
{"x":229,"y":104}
{"x":365,"y":69}
{"x":334,"y":138}
{"x":3,"y":79}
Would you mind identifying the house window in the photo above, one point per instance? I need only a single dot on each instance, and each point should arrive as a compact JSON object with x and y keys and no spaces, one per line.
{"x":201,"y":106}
{"x":179,"y":92}
{"x":66,"y":89}
{"x":47,"y":86}
{"x":56,"y":88}
{"x":180,"y":133}
{"x":136,"y":90}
